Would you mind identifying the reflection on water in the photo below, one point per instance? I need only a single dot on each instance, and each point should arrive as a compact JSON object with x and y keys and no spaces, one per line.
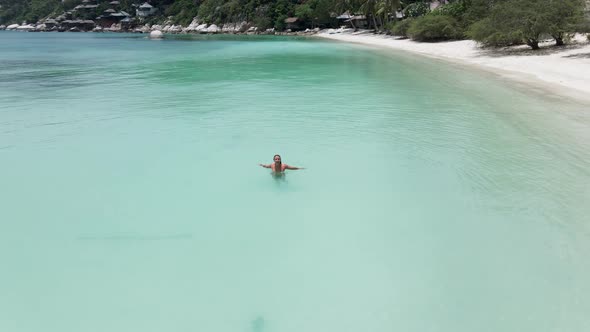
{"x":279,"y":176}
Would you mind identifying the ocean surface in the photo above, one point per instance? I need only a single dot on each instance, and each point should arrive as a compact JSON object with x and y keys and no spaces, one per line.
{"x":433,"y":199}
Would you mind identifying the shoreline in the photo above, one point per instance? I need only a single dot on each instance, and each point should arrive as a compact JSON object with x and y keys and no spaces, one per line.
{"x":555,"y":72}
{"x":561,"y":71}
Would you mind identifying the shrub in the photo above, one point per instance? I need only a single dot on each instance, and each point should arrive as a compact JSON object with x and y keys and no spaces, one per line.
{"x":400,"y":28}
{"x":280,"y":24}
{"x":263,"y":23}
{"x":435,"y":28}
{"x":486,"y":33}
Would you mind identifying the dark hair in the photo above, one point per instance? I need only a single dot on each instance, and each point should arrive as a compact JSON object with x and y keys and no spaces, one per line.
{"x":276,"y":155}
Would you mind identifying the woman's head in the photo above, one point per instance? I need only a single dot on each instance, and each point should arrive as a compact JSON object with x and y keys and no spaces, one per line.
{"x":277,"y":158}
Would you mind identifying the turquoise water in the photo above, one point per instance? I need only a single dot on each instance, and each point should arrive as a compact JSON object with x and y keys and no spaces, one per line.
{"x":433,"y":199}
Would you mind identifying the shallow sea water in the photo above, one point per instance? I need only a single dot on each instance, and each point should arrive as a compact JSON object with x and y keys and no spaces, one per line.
{"x":434,"y":198}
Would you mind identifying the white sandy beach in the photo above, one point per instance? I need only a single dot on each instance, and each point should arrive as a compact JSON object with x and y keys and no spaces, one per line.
{"x":564,"y":71}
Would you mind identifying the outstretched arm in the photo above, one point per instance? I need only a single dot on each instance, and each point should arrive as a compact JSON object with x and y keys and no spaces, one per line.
{"x":293,"y":167}
{"x":265,"y":166}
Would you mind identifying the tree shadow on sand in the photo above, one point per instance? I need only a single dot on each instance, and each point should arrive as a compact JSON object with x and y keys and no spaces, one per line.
{"x":524,"y":50}
{"x":578,"y":56}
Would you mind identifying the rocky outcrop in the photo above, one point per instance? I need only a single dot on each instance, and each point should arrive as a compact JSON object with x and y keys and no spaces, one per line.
{"x":192,"y":27}
{"x":201,"y":28}
{"x":115,"y":27}
{"x":235,"y":27}
{"x":60,"y":23}
{"x":26,"y":27}
{"x":213,"y":29}
{"x":144,"y":29}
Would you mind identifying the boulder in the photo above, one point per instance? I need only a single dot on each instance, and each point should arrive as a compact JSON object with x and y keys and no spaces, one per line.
{"x":175,"y":29}
{"x":156,"y":34}
{"x":26,"y":27}
{"x":115,"y":27}
{"x":201,"y":28}
{"x":242,"y":27}
{"x":228,"y":28}
{"x":143,"y":29}
{"x":3,"y":27}
{"x":213,"y":29}
{"x":193,"y":26}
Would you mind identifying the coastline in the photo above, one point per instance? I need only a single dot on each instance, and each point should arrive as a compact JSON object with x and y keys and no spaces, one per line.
{"x":561,"y":71}
{"x":555,"y":72}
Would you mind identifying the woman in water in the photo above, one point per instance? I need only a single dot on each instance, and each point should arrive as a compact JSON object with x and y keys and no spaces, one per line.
{"x":278,"y":167}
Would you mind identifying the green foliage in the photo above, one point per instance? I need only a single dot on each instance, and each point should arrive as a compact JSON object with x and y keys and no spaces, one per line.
{"x":210,"y":11}
{"x":455,"y":9}
{"x":183,"y":11}
{"x":280,"y":23}
{"x":583,"y":26}
{"x":563,"y":17}
{"x":263,"y":23}
{"x":316,"y":12}
{"x":304,"y":12}
{"x":69,"y":4}
{"x":400,"y":28}
{"x":517,"y":21}
{"x":477,"y":10}
{"x":417,"y":9}
{"x":435,"y":28}
{"x":31,"y":11}
{"x":487,"y":33}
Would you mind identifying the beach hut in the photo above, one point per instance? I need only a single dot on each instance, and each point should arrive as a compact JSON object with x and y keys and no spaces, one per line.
{"x":145,"y":10}
{"x":128,"y":23}
{"x":352,"y":20}
{"x":78,"y":25}
{"x":110,"y":17}
{"x":292,"y":23}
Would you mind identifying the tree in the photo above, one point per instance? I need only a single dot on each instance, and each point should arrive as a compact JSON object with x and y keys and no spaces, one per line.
{"x":512,"y":21}
{"x":563,"y":17}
